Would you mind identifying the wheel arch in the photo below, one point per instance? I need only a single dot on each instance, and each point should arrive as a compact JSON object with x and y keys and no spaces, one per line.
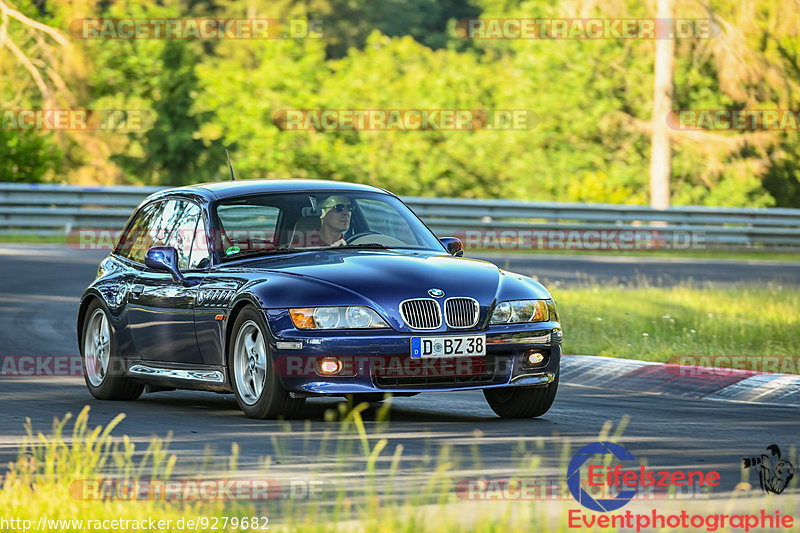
{"x":244,"y":301}
{"x":86,"y":301}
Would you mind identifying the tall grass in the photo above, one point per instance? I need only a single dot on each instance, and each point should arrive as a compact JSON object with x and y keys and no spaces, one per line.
{"x":38,"y":484}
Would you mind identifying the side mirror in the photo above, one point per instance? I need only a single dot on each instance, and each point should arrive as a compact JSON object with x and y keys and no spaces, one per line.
{"x":164,"y":258}
{"x":453,"y":246}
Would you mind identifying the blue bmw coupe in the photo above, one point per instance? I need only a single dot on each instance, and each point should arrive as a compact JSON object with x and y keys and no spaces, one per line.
{"x":277,"y":291}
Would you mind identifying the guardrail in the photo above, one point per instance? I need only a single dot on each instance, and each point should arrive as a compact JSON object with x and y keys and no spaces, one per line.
{"x":47,"y":209}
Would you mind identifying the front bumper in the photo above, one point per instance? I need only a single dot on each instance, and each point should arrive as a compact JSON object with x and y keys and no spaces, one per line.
{"x":377,"y":361}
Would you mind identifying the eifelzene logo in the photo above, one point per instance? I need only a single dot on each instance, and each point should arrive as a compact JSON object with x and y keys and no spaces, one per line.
{"x":626,"y":482}
{"x":574,"y":476}
{"x":774,"y":472}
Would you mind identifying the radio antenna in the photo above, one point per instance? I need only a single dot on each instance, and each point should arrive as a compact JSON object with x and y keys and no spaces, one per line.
{"x":233,"y":178}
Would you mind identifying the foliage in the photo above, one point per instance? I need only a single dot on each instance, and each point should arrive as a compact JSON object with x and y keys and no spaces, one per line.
{"x":26,"y":156}
{"x":592,"y":99}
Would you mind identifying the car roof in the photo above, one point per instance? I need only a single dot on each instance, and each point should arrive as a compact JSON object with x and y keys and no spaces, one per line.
{"x":229,"y":189}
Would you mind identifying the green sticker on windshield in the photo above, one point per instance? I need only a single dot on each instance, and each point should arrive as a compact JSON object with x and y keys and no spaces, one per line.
{"x":233,"y":250}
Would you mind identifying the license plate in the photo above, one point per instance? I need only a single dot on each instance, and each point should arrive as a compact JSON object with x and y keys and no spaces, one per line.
{"x":424,"y":347}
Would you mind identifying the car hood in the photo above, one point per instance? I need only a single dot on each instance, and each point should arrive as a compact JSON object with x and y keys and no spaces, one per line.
{"x":381,"y":279}
{"x":403,"y":275}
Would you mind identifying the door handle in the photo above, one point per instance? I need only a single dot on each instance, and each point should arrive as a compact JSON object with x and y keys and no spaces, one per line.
{"x":137,"y":290}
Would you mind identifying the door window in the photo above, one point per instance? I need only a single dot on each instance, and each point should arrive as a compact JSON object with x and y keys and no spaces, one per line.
{"x":178,"y":225}
{"x":199,"y":258}
{"x":141,"y":234}
{"x":175,"y":223}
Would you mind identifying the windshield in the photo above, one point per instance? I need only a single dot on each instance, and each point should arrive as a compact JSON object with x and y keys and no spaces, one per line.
{"x":290,"y":222}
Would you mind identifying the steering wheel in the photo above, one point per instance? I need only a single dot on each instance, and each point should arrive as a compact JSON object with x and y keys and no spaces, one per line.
{"x":380,"y":238}
{"x":357,"y":236}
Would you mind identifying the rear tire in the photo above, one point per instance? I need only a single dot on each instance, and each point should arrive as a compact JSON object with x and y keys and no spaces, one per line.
{"x":102,"y":365}
{"x":511,"y":402}
{"x":255,"y":382}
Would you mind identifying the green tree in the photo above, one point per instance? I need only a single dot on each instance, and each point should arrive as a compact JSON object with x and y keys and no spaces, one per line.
{"x":27,"y":156}
{"x":593,"y":99}
{"x":175,"y":155}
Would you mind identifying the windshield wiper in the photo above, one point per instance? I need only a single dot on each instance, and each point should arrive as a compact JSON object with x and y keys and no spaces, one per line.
{"x":283,"y":249}
{"x":364,"y":245}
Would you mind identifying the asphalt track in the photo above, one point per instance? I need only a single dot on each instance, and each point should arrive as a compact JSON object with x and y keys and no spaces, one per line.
{"x":39,"y":290}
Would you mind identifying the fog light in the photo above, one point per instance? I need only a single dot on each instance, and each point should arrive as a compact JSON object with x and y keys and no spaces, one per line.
{"x":330,"y":366}
{"x":535,"y":358}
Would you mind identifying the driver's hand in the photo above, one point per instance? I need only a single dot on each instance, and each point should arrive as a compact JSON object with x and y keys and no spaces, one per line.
{"x":340,"y":242}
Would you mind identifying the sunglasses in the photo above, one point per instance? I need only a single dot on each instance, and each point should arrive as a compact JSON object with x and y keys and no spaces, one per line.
{"x":341,"y":207}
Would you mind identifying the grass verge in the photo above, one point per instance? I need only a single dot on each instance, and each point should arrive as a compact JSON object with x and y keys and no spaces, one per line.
{"x":751,"y":254}
{"x":32,"y":239}
{"x":659,"y":323}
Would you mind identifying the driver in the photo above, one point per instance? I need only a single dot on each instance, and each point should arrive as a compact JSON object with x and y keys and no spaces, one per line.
{"x":335,"y":220}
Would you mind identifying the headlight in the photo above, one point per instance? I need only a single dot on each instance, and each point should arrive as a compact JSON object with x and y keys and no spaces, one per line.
{"x":516,"y":311}
{"x":360,"y":317}
{"x":353,"y":317}
{"x":501,"y":313}
{"x":551,"y":306}
{"x":327,"y":317}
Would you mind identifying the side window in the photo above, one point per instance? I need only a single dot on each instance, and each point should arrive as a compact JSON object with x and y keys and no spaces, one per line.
{"x":178,"y":226}
{"x":383,"y":218}
{"x":173,"y":223}
{"x":247,"y":226}
{"x":199,"y":256}
{"x":141,"y":234}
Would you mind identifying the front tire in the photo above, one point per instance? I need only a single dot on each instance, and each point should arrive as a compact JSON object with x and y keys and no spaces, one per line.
{"x":102,"y":366}
{"x":530,"y":402}
{"x":258,"y":390}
